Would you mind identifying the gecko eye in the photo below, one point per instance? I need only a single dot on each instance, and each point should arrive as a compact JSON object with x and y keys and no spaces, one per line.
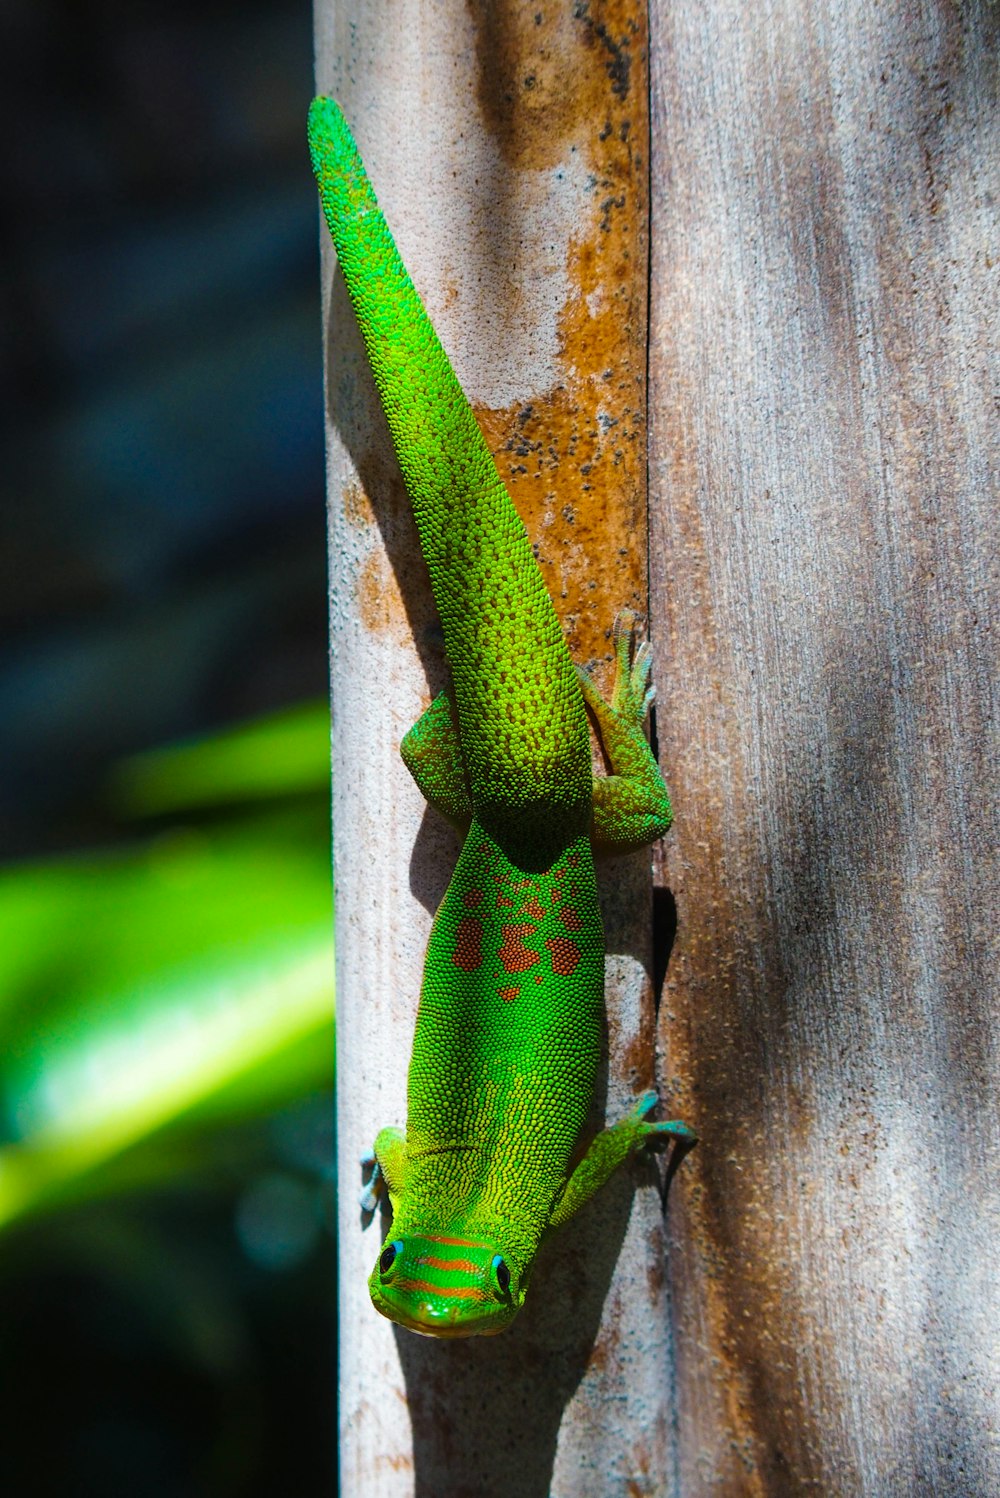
{"x":502,"y":1273}
{"x":388,"y":1257}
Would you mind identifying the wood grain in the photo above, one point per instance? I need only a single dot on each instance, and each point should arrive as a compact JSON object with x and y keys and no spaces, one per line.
{"x":824,"y":460}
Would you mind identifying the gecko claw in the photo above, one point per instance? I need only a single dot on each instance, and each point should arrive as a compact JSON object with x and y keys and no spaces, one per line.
{"x":633,"y":691}
{"x":645,"y":1102}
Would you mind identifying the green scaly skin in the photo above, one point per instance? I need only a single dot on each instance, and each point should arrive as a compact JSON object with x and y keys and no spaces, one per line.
{"x":509,"y":1027}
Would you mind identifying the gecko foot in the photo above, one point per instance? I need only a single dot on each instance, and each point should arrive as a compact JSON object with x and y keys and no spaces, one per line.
{"x":633,"y":693}
{"x":664,"y":1129}
{"x":369,"y":1197}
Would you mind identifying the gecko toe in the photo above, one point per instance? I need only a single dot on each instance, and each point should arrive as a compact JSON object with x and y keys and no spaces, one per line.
{"x":645,"y":1102}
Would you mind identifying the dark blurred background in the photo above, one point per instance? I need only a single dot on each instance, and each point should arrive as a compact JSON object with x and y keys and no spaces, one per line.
{"x":166,"y":1252}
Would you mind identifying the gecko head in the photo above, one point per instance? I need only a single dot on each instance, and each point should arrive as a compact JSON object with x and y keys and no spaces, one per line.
{"x":445,"y":1286}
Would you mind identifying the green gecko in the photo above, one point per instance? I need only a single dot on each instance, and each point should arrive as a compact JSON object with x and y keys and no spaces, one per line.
{"x":508,"y":1033}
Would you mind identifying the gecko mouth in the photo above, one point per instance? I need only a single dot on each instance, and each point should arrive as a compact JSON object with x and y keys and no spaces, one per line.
{"x":439,"y":1329}
{"x":431,"y":1318}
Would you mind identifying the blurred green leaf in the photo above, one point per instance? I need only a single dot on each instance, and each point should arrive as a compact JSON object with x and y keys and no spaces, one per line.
{"x":189,"y":978}
{"x":285,"y":753}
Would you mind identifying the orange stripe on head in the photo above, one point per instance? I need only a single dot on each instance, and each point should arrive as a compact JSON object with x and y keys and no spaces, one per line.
{"x":457,"y":1292}
{"x":456,"y":1266}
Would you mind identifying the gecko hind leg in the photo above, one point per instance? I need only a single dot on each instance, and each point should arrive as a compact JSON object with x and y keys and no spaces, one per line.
{"x":432,"y":752}
{"x":631,"y":805}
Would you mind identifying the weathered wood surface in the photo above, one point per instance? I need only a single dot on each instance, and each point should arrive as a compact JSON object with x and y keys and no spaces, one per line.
{"x":508,"y":145}
{"x":825,"y":541}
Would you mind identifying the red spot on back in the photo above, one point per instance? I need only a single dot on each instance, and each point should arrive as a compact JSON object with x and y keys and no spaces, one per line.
{"x":531,"y":907}
{"x":472,"y":897}
{"x":574,"y":860}
{"x":502,"y":900}
{"x":508,"y":994}
{"x":514,"y":955}
{"x":469,"y":944}
{"x":565,"y":955}
{"x":570,"y":919}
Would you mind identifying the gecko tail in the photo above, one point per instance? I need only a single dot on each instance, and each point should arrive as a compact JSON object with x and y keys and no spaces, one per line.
{"x":523,"y":723}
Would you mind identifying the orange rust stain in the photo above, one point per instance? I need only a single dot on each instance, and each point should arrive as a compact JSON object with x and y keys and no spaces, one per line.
{"x":565,"y":955}
{"x":508,"y":994}
{"x":546,"y":70}
{"x":562,"y":84}
{"x":570,"y":918}
{"x":357,"y":506}
{"x":637,"y":1054}
{"x":514,"y":955}
{"x":504,"y":900}
{"x":605,"y":1348}
{"x":380,"y":601}
{"x":574,"y":464}
{"x":472,"y":897}
{"x":469,"y":944}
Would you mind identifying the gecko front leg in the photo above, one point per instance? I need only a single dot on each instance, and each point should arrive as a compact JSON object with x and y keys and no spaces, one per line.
{"x":613,"y":1146}
{"x":388,"y":1165}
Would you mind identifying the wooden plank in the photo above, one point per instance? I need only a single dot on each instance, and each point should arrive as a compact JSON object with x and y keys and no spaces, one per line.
{"x":824,"y":554}
{"x":508,"y":146}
